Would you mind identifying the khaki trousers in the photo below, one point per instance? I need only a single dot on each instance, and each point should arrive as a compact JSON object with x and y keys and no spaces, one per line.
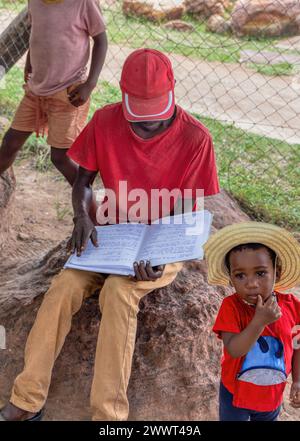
{"x":119,"y":300}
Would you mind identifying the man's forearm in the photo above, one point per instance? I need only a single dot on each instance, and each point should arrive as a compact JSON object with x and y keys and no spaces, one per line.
{"x":98,"y":58}
{"x":81,"y":199}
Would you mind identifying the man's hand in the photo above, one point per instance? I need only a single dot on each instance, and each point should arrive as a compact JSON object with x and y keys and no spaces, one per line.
{"x":147,"y":272}
{"x":84,"y":229}
{"x":268,"y":312}
{"x":80,"y":94}
{"x":295,"y":395}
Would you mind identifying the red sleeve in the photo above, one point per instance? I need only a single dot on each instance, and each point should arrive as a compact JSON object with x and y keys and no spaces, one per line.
{"x":83,"y":151}
{"x":93,"y":18}
{"x":227,"y":319}
{"x":297,"y":308}
{"x":202,"y":172}
{"x":296,"y":311}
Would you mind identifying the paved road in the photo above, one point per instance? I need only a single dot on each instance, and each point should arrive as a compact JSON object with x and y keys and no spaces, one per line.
{"x":230,"y":92}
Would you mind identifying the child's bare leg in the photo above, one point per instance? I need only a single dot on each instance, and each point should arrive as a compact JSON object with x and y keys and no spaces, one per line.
{"x":12,"y":142}
{"x":64,"y":164}
{"x":68,"y":169}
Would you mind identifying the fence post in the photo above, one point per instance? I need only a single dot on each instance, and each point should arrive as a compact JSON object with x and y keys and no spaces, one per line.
{"x":14,"y":40}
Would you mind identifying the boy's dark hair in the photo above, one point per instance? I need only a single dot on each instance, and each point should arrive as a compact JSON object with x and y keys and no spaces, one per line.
{"x":250,"y":246}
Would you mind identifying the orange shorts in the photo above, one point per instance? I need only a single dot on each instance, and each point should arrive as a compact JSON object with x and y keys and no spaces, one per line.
{"x":54,"y":115}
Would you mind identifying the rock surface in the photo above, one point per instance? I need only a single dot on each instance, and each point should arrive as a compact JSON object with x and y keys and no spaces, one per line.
{"x":272,"y":18}
{"x":203,"y":9}
{"x":154,"y":10}
{"x":179,"y":25}
{"x":217,"y":24}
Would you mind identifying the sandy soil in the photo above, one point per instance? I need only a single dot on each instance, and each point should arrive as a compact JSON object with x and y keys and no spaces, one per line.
{"x":43,"y":215}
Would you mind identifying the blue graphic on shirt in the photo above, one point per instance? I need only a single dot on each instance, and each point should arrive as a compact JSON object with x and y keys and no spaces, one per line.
{"x":264,"y":364}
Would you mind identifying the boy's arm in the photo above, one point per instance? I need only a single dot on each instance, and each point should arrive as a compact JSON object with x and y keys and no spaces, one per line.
{"x":82,"y":92}
{"x":295,"y":388}
{"x":28,"y":68}
{"x":98,"y":58}
{"x":238,"y":345}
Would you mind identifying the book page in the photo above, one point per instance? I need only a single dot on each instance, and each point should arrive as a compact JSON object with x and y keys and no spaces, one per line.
{"x":176,"y":241}
{"x":118,"y":246}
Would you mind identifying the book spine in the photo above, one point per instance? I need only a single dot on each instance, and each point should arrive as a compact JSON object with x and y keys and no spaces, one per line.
{"x":145,"y":230}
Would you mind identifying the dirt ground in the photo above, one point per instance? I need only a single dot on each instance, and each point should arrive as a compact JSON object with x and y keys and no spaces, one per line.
{"x":43,"y":215}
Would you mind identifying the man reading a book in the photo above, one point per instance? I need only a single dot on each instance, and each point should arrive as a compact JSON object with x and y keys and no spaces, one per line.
{"x":151,"y":143}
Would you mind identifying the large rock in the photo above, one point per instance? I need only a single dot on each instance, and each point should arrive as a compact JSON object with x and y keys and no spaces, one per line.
{"x":205,"y":8}
{"x":271,"y":18}
{"x":179,"y":25}
{"x":154,"y":10}
{"x":218,"y":24}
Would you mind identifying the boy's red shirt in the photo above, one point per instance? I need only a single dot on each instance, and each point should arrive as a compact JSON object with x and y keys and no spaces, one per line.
{"x":234,"y":316}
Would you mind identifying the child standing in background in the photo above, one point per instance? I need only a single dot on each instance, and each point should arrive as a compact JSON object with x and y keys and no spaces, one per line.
{"x":256,"y":323}
{"x":57,"y":87}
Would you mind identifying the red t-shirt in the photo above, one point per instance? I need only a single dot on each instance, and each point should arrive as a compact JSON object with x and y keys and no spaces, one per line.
{"x":234,"y":316}
{"x":181,"y":157}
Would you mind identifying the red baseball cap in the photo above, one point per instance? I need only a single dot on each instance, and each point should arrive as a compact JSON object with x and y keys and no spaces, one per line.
{"x":147,"y":84}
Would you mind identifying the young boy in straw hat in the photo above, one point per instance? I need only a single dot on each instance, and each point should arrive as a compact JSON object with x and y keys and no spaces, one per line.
{"x":257,"y":323}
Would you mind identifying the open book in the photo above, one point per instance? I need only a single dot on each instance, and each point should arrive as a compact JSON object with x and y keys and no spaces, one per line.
{"x":171,"y":239}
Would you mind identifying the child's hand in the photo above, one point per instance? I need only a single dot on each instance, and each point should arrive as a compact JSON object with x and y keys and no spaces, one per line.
{"x":28,"y":68}
{"x":27,"y":72}
{"x":26,"y":75}
{"x":268,"y":312}
{"x":80,"y":94}
{"x":295,"y":395}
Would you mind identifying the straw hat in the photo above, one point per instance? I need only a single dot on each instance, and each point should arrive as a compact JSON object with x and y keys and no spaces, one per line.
{"x":279,"y":240}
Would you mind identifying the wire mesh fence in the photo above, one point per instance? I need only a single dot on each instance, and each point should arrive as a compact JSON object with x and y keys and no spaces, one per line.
{"x":237,"y":69}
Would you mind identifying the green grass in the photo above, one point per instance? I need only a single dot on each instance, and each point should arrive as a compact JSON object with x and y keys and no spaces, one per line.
{"x":138,"y":32}
{"x":10,"y":94}
{"x":13,"y":5}
{"x":261,"y":173}
{"x":11,"y":91}
{"x":273,"y":69}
